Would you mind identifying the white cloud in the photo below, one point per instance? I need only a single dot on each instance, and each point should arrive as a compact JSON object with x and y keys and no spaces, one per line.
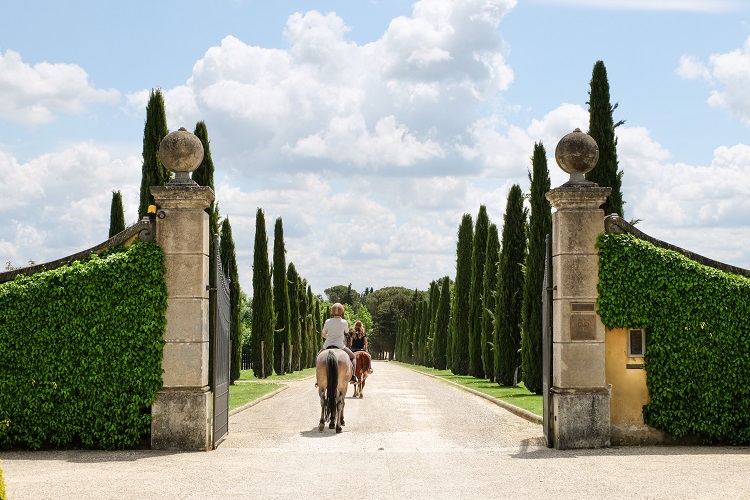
{"x":34,"y":95}
{"x":730,"y":75}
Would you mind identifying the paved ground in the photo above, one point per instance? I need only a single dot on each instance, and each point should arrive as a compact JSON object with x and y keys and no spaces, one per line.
{"x":411,"y":437}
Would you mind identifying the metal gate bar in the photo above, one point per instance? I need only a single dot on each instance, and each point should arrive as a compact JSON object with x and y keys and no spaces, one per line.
{"x":548,"y":422}
{"x":221,"y":349}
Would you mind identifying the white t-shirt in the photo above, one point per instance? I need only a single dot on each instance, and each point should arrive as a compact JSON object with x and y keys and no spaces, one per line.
{"x":335,"y":329}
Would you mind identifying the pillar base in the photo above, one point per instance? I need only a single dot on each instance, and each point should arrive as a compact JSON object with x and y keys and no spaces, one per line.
{"x":581,"y":418}
{"x":182,"y":420}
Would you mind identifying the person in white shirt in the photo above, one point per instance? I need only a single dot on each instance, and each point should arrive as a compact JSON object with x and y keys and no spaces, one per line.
{"x":334,"y":331}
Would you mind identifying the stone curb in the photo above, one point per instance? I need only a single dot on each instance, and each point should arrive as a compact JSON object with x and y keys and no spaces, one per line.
{"x":256,"y":401}
{"x":265,"y":396}
{"x":520,"y":412}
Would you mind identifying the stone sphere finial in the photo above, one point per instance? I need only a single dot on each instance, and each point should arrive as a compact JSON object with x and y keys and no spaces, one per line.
{"x":181,"y":152}
{"x":577,"y":153}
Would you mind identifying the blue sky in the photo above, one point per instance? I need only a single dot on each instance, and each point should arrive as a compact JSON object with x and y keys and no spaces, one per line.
{"x":370,"y":127}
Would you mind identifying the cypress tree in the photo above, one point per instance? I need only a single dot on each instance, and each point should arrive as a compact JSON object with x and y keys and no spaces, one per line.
{"x":489,"y":301}
{"x":263,"y":316}
{"x":464,"y":250}
{"x":282,"y":334}
{"x":292,"y":280}
{"x":116,"y":215}
{"x":312,"y":344}
{"x":510,"y":289}
{"x":153,"y":173}
{"x":228,"y":257}
{"x":540,"y":225}
{"x":602,"y":130}
{"x":478,"y":259}
{"x":434,"y":306}
{"x":318,"y":328}
{"x":442,"y":324}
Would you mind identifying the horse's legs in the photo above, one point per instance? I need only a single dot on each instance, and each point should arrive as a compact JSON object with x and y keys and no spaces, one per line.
{"x":323,"y":407}
{"x":340,"y":412}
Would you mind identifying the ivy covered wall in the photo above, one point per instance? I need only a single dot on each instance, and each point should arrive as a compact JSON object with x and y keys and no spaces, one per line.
{"x":81,"y":351}
{"x":697,"y":322}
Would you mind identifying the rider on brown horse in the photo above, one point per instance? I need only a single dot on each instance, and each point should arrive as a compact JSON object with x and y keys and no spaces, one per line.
{"x":334,"y":331}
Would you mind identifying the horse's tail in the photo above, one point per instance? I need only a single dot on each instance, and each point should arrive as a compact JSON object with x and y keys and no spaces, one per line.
{"x":332,"y":372}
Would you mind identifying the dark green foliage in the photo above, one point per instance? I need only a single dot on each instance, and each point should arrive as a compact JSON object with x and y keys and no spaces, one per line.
{"x":478,"y":261}
{"x":540,"y":225}
{"x":489,"y":301}
{"x":697,"y":336}
{"x":386,"y":307}
{"x":602,"y":130}
{"x":461,"y":324}
{"x":292,"y":281}
{"x":442,"y":324}
{"x":314,"y":343}
{"x":434,"y":306}
{"x":228,"y":258}
{"x":510,"y":289}
{"x":116,"y":215}
{"x":263,"y":314}
{"x":204,"y":174}
{"x":153,"y":173}
{"x":283,"y":333}
{"x":81,"y":350}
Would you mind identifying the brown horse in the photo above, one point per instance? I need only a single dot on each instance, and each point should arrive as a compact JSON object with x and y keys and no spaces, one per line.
{"x":333,"y":371}
{"x":364,"y":363}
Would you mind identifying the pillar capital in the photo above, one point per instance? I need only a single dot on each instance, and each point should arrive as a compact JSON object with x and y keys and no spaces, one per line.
{"x":183,"y":196}
{"x":578,"y":196}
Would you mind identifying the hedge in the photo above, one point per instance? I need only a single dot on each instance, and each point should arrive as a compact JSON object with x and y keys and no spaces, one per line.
{"x":697,"y":322}
{"x":80,"y":351}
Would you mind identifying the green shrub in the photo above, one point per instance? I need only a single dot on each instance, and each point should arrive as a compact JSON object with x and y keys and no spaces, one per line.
{"x":81,"y":349}
{"x":697,"y":322}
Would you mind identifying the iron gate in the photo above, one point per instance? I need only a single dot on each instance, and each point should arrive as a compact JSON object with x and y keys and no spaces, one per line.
{"x":221,"y":349}
{"x":547,"y":344}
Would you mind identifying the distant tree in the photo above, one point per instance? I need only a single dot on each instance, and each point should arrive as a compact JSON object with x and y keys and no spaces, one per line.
{"x":343,"y":294}
{"x":434,"y":306}
{"x":478,"y":259}
{"x":442,"y":324}
{"x":461,"y":322}
{"x":510,"y":289}
{"x":292,"y":281}
{"x":282,"y":331}
{"x":263,"y":315}
{"x":228,"y":257}
{"x":314,"y":343}
{"x":153,"y":173}
{"x":540,"y":225}
{"x":602,"y":130}
{"x":489,"y":301}
{"x":116,"y":214}
{"x":387,"y":306}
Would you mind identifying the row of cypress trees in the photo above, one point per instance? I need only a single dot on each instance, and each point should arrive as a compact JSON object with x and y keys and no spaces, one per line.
{"x":286,"y":316}
{"x":488,"y":323}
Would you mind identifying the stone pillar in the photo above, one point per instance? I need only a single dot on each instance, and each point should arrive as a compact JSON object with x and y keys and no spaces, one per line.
{"x":580,"y":396}
{"x":182,"y":415}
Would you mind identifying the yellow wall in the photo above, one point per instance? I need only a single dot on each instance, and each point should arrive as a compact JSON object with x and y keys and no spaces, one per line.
{"x":629,"y":392}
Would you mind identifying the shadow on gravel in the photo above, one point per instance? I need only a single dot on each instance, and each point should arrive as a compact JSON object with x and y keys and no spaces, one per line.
{"x":532,"y":451}
{"x":89,"y":456}
{"x":315,"y":433}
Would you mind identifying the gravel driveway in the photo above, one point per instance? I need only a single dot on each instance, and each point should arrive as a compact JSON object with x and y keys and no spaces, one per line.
{"x":410,"y":437}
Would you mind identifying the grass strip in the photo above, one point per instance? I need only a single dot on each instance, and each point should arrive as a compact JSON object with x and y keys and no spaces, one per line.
{"x":518,"y":396}
{"x":248,"y":388}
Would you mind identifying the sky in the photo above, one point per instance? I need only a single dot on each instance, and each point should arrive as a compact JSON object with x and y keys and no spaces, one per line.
{"x":371,"y":126}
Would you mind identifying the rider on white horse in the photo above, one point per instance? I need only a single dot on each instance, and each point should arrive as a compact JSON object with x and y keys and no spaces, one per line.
{"x":334,"y":331}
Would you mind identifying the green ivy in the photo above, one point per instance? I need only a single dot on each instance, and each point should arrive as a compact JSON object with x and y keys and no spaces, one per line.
{"x":81,"y":350}
{"x":697,"y":320}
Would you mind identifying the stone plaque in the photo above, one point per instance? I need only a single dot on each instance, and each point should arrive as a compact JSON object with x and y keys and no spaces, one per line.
{"x":582,"y":307}
{"x":583,"y":327}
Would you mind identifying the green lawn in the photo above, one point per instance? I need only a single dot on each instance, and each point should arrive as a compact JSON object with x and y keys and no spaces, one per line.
{"x":248,"y":388}
{"x":517,"y":396}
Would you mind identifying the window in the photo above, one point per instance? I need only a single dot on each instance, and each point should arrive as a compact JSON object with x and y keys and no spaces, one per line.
{"x":636,"y":343}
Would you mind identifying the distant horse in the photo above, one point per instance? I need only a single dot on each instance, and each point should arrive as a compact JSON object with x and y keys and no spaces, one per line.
{"x":333,"y":371}
{"x":364,"y":363}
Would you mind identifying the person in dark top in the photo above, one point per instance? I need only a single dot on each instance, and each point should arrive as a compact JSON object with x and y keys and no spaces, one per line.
{"x":358,"y":339}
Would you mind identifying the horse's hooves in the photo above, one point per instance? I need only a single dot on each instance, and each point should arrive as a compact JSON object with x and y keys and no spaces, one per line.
{"x":331,"y":426}
{"x":338,"y":430}
{"x":360,"y":396}
{"x":320,"y":427}
{"x":342,"y":422}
